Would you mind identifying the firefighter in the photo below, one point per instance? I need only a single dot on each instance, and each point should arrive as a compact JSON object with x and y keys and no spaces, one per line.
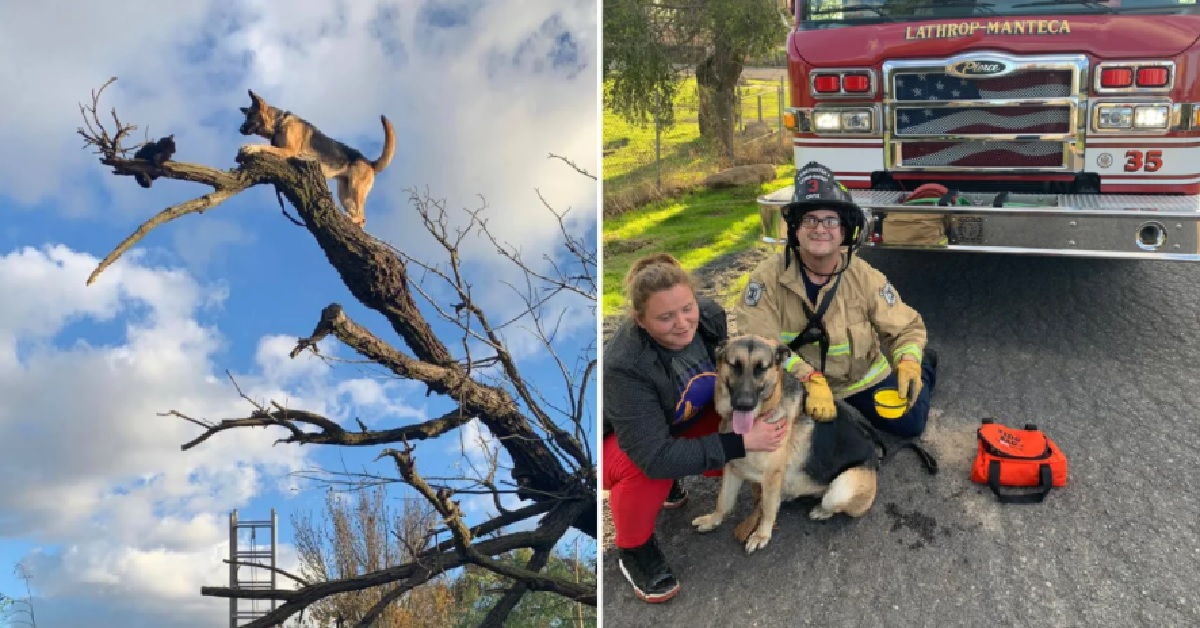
{"x":837,"y":312}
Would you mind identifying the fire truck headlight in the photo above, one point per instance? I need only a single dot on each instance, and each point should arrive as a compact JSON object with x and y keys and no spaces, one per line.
{"x":827,"y":120}
{"x":858,"y":120}
{"x":1151,"y":117}
{"x":1115,"y":117}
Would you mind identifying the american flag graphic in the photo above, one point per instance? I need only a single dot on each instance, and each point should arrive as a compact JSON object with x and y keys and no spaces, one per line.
{"x":982,"y":120}
{"x":983,"y":154}
{"x":942,"y":86}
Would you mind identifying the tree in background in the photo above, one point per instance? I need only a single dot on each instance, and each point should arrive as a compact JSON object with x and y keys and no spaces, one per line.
{"x":18,"y":611}
{"x":479,"y":590}
{"x":544,"y":433}
{"x":359,"y":533}
{"x":649,"y":44}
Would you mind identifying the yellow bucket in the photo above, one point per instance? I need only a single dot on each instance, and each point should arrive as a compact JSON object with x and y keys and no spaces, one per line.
{"x":889,"y":404}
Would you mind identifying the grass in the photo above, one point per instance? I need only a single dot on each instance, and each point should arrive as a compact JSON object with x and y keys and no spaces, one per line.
{"x":678,"y":141}
{"x":696,"y":228}
{"x":734,"y":291}
{"x":630,"y":174}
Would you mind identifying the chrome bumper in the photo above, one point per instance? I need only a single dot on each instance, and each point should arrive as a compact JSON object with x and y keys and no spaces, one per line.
{"x":1077,"y":225}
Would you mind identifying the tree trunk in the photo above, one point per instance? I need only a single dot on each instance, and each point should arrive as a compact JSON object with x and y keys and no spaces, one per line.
{"x":376,"y":277}
{"x":705,"y":79}
{"x":717,"y":78}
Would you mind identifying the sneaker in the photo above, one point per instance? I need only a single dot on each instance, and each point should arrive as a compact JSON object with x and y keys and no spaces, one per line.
{"x":646,"y":569}
{"x":677,"y":497}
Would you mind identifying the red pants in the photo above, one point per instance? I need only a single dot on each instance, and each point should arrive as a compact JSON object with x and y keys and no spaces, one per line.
{"x":634,"y":499}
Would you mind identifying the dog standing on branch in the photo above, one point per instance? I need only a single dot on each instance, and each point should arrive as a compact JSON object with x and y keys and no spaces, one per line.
{"x":292,"y":136}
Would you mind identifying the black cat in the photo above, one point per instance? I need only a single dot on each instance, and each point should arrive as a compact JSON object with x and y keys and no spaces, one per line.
{"x":157,"y":153}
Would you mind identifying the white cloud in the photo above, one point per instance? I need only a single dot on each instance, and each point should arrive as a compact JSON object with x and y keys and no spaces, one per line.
{"x":477,"y":443}
{"x":480,"y":94}
{"x":475,"y":123}
{"x":125,"y":586}
{"x":85,"y":463}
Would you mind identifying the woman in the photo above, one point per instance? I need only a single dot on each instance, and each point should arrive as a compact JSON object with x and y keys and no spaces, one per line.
{"x":659,"y":425}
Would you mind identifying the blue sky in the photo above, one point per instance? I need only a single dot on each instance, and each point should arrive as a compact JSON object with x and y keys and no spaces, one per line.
{"x":115,"y":523}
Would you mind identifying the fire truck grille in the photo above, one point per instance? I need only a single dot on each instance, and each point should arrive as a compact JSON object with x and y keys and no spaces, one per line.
{"x":982,"y":154}
{"x":982,"y":120}
{"x":932,"y":104}
{"x":941,"y":86}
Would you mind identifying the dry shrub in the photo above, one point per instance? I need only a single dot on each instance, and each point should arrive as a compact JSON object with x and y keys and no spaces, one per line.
{"x":764,"y":150}
{"x":768,"y":149}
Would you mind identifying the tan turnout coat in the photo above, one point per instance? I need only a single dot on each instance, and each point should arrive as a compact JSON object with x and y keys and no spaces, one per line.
{"x":865,"y":310}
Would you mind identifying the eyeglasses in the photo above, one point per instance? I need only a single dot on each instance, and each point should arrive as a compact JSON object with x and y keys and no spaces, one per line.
{"x":830,"y":222}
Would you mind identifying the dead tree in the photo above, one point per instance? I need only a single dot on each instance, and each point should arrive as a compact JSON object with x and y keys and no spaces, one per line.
{"x":552,"y":463}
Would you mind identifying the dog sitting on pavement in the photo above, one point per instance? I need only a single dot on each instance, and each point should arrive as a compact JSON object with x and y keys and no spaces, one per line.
{"x":835,"y":460}
{"x":292,"y":136}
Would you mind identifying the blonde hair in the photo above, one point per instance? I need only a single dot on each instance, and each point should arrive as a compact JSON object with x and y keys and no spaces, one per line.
{"x":650,"y":274}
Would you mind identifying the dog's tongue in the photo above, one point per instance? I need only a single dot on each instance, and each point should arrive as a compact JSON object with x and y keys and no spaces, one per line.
{"x":742,"y":422}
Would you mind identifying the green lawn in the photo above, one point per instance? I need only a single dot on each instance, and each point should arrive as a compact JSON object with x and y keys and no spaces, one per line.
{"x":682,"y":148}
{"x":677,"y":141}
{"x":696,"y":228}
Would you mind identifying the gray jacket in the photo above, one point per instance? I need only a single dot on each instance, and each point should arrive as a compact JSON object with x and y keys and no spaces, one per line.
{"x":640,"y":397}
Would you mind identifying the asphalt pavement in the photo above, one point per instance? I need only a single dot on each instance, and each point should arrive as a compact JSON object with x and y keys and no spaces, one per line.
{"x":1104,"y":356}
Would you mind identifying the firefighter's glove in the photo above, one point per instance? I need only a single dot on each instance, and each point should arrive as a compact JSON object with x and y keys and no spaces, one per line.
{"x":908,"y":373}
{"x":818,"y":400}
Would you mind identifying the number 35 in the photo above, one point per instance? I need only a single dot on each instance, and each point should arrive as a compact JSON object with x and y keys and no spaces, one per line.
{"x":1151,"y":162}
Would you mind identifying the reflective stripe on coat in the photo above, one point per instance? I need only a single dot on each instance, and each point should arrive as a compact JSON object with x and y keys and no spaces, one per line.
{"x":866,"y":310}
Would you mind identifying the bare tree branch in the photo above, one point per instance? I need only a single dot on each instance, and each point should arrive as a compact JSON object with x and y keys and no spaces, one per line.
{"x":477,"y":400}
{"x":495,"y":617}
{"x":462,"y":536}
{"x":241,"y":563}
{"x":94,"y":132}
{"x":331,"y":433}
{"x":549,"y":462}
{"x":390,"y":597}
{"x":572,"y":164}
{"x":429,"y":564}
{"x":560,"y":438}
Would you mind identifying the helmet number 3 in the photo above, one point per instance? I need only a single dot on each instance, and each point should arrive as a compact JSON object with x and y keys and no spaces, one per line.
{"x":1149,"y":161}
{"x":814,"y":185}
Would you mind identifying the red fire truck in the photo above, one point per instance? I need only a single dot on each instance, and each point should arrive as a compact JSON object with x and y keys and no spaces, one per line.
{"x":1051,"y":127}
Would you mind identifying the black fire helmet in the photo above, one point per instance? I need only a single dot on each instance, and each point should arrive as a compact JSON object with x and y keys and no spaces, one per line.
{"x":815,"y":187}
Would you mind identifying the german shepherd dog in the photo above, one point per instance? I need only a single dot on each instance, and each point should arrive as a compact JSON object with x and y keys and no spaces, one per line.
{"x":292,"y":136}
{"x":835,"y":460}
